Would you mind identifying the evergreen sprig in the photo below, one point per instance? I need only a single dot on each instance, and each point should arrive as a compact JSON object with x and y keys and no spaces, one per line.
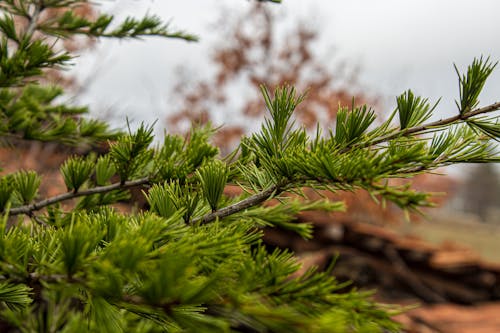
{"x":213,"y":179}
{"x":76,"y":171}
{"x":413,"y":110}
{"x":352,"y":124}
{"x":472,"y":82}
{"x":15,"y":296}
{"x":27,"y":61}
{"x":26,"y":52}
{"x":26,"y":185}
{"x":69,"y":23}
{"x":132,"y":153}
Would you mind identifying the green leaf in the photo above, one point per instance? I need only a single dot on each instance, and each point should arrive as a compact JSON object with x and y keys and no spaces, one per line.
{"x":7,"y":26}
{"x":106,"y":317}
{"x":490,"y":127}
{"x":77,"y":241}
{"x":160,"y":201}
{"x":198,"y":148}
{"x":183,"y":198}
{"x":27,"y":61}
{"x":69,"y":23}
{"x":284,"y":215}
{"x":276,"y":134}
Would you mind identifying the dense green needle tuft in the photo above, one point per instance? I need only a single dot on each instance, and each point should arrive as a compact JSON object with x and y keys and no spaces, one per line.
{"x":472,"y":82}
{"x":26,"y":185}
{"x":413,"y":110}
{"x":76,"y":172}
{"x":213,"y":178}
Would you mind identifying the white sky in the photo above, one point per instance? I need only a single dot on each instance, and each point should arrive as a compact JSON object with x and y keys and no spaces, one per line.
{"x":398,"y":44}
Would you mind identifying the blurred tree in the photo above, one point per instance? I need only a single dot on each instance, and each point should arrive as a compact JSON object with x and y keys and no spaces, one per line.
{"x":252,"y":52}
{"x":481,"y":191}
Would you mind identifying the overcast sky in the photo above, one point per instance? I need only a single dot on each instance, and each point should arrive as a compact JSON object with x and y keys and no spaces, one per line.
{"x":398,"y":44}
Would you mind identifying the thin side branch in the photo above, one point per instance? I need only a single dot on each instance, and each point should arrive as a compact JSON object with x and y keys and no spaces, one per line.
{"x":28,"y":209}
{"x":239,"y":206}
{"x":424,"y":127}
{"x":33,"y":19}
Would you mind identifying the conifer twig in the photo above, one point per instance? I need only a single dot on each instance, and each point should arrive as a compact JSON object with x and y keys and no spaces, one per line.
{"x":33,"y":19}
{"x":421,"y":128}
{"x":241,"y":205}
{"x":27,"y":209}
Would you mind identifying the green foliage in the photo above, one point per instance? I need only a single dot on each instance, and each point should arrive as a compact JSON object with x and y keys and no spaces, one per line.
{"x":14,"y":296}
{"x":213,"y":178}
{"x":69,"y":23}
{"x":26,"y":61}
{"x":26,"y":186}
{"x":283,"y":216}
{"x":6,"y":189}
{"x":76,"y":171}
{"x":131,"y":153}
{"x":104,"y":170}
{"x":197,"y":148}
{"x":490,"y":127}
{"x":277,"y":134}
{"x":182,"y":197}
{"x":160,"y":201}
{"x":192,"y":258}
{"x":32,"y":114}
{"x":351,"y":125}
{"x":472,"y":82}
{"x":413,"y":110}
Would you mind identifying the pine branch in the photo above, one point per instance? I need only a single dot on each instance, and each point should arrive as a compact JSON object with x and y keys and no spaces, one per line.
{"x":258,"y":197}
{"x":28,"y":209}
{"x":266,"y":194}
{"x":241,"y":205}
{"x":424,"y":127}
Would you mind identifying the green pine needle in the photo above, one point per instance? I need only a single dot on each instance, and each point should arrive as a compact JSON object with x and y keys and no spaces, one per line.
{"x":26,"y":185}
{"x":352,"y":124}
{"x":15,"y":296}
{"x":413,"y":110}
{"x":472,"y":82}
{"x":213,"y":178}
{"x":76,"y":171}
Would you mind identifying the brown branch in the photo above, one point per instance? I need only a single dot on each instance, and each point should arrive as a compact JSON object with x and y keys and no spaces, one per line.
{"x":241,"y":205}
{"x":28,"y":209}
